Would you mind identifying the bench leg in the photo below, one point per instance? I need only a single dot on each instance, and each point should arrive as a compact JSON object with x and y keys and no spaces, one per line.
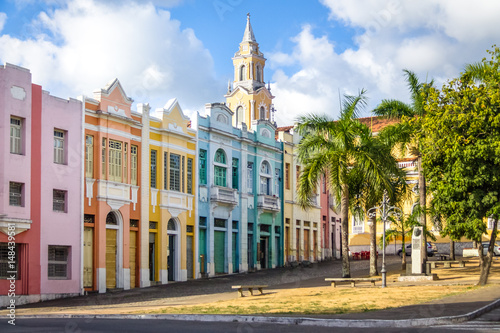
{"x":251,"y":291}
{"x":373,"y":283}
{"x":261,"y":292}
{"x":240,"y":290}
{"x":462,"y":264}
{"x":433,"y":264}
{"x":333,"y":284}
{"x":447,"y":265}
{"x":353,"y":284}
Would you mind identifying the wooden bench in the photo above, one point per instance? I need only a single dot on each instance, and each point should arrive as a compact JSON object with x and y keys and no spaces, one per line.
{"x":448,"y":263}
{"x":250,"y":288}
{"x":353,"y":281}
{"x":443,"y":256}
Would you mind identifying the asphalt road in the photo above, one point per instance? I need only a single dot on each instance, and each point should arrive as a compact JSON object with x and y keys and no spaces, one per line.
{"x":171,"y":326}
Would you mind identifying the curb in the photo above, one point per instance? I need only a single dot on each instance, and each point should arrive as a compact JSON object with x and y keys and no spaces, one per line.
{"x":419,"y":322}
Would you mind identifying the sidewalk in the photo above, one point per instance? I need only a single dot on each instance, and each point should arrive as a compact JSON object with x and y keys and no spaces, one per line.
{"x":219,"y":288}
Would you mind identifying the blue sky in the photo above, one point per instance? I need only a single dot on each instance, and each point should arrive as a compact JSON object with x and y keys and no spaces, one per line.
{"x":316,"y":50}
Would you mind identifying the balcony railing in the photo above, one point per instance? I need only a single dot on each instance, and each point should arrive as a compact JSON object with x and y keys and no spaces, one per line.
{"x":224,"y":195}
{"x":358,"y":229}
{"x":268,"y":202}
{"x":407,"y":164}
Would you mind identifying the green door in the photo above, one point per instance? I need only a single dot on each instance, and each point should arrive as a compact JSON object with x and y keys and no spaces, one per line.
{"x":203,"y":251}
{"x":235,"y":253}
{"x":219,"y":251}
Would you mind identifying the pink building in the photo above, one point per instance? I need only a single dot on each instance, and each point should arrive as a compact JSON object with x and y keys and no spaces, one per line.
{"x":40,"y":190}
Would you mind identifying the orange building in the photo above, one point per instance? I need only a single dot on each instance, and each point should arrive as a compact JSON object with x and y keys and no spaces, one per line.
{"x":112,"y":214}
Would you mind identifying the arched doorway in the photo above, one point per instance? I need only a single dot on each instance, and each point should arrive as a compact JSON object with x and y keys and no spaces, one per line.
{"x":173,"y":258}
{"x":113,"y":250}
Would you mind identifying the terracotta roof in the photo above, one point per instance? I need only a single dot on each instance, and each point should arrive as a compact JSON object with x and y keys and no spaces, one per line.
{"x":377,"y":123}
{"x":284,"y":128}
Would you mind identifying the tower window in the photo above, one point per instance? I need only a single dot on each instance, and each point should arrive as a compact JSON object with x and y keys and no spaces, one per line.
{"x":243,"y":73}
{"x":262,"y":112}
{"x":259,"y":76}
{"x":239,"y":115}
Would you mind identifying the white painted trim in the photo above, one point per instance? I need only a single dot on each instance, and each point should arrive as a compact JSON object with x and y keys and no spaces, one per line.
{"x":172,"y":146}
{"x":108,"y":130}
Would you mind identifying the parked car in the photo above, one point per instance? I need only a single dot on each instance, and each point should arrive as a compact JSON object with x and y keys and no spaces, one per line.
{"x":496,"y":249}
{"x":431,"y":249}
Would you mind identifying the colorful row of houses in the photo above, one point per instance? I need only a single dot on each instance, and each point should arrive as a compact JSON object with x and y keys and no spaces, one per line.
{"x":97,"y":196}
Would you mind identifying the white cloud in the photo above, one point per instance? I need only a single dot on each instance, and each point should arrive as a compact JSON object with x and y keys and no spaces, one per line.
{"x":434,"y":39}
{"x":80,"y":47}
{"x":3,"y":18}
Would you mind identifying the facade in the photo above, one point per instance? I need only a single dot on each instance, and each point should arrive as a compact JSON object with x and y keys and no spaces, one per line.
{"x":112,"y":204}
{"x":302,"y":228}
{"x":40,"y":196}
{"x":240,"y":220}
{"x":171,"y":236}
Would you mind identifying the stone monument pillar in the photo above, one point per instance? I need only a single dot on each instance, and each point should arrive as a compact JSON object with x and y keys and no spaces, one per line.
{"x":416,"y":253}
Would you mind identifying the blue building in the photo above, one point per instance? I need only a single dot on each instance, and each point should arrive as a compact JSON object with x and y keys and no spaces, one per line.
{"x":240,"y":220}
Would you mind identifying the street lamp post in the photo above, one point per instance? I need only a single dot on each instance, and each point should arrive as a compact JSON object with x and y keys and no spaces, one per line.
{"x":384,"y":211}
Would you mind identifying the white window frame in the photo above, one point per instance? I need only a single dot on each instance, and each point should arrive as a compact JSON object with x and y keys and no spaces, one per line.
{"x":59,"y":146}
{"x":250,"y":167}
{"x":89,"y":156}
{"x":54,"y":261}
{"x":175,"y":172}
{"x":133,"y":164}
{"x":358,"y":225}
{"x":276,"y":181}
{"x":115,"y":160}
{"x":265,"y":178}
{"x":16,"y":132}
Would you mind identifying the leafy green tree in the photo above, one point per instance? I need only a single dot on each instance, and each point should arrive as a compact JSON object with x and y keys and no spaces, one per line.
{"x":404,"y":134}
{"x":345,"y":150}
{"x":461,"y":155}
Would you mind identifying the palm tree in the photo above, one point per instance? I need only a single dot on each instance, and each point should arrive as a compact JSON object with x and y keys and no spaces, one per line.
{"x":344,"y":149}
{"x":404,"y":133}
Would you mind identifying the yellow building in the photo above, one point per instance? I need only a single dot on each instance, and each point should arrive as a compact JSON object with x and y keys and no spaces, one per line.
{"x":249,"y":98}
{"x":359,"y":230}
{"x":168,"y":240}
{"x":302,"y":241}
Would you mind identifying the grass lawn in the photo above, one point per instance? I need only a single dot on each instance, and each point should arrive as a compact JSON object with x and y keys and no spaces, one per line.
{"x":321,"y":300}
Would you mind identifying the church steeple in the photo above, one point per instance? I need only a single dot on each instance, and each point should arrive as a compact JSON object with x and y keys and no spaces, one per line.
{"x":249,"y":99}
{"x":248,"y":36}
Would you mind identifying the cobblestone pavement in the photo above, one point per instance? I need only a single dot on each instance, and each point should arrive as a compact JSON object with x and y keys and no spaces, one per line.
{"x":219,"y":288}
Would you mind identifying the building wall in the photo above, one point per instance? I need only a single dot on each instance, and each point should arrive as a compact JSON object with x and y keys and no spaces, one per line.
{"x":18,"y":100}
{"x":65,"y":115}
{"x":170,"y":136}
{"x":108,"y":116}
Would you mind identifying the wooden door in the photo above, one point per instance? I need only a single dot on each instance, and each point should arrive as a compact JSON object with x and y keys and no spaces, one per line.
{"x":234,"y":253}
{"x":88,"y":257}
{"x":219,"y":251}
{"x":171,"y":258}
{"x":315,"y":246}
{"x":132,"y":256}
{"x":110,"y":258}
{"x":297,"y":244}
{"x":287,"y":245}
{"x":306,"y":244}
{"x":189,"y":254}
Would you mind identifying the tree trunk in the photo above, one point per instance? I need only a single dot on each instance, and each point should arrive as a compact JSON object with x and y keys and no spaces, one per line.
{"x":452,"y":249}
{"x":422,"y":191}
{"x":344,"y":211}
{"x":373,"y":245}
{"x":486,"y":261}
